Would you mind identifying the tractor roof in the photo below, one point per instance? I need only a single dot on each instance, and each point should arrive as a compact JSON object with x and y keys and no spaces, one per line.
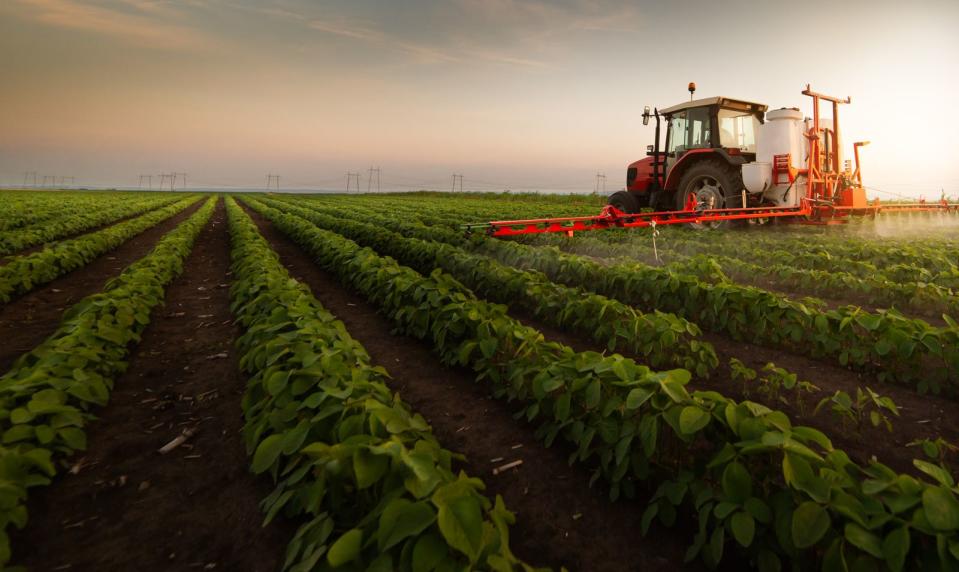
{"x":720,"y":101}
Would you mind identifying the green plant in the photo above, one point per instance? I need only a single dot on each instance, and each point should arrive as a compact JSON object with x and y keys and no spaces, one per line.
{"x":777,"y":379}
{"x":743,"y":374}
{"x":937,"y":449}
{"x":854,"y":411}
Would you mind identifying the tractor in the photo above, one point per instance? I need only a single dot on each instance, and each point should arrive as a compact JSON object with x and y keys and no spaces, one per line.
{"x":707,"y":143}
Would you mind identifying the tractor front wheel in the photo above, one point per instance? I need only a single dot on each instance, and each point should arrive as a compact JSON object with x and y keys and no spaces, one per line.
{"x":625,"y":201}
{"x":708,"y":185}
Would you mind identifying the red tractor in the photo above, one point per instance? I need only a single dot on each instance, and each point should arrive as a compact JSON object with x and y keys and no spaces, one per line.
{"x":700,"y":166}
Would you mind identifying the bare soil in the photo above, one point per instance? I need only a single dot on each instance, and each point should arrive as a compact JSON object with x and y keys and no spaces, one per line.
{"x":129,"y":507}
{"x":560,"y":520}
{"x":30,"y":319}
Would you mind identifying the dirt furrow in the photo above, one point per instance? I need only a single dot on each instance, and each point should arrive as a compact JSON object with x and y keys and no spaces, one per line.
{"x":130,"y":508}
{"x":30,"y":319}
{"x":560,"y":520}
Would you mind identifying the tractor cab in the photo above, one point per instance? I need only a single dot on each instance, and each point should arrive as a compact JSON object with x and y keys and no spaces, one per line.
{"x":716,"y":123}
{"x":717,"y":131}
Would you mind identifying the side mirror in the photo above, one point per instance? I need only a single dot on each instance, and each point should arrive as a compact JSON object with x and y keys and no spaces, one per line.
{"x":646,"y":115}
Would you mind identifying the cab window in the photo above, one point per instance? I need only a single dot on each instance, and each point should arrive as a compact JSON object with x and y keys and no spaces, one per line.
{"x":698,"y":134}
{"x":737,"y":129}
{"x":677,"y":133}
{"x":689,"y":129}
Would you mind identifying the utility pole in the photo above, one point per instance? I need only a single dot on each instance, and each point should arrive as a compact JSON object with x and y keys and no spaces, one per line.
{"x":457,"y":178}
{"x":349,"y":178}
{"x":369,"y":182}
{"x":600,"y":178}
{"x":272,"y":180}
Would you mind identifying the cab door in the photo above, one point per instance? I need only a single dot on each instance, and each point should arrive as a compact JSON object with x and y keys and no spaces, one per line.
{"x":688,"y":129}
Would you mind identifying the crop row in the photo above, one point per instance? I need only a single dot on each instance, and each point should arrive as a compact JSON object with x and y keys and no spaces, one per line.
{"x":663,"y":339}
{"x":895,"y":348}
{"x":47,"y":397}
{"x":748,"y":264}
{"x":456,"y":213}
{"x":20,"y":209}
{"x":373,"y":487}
{"x":752,"y":481}
{"x":916,"y":296}
{"x":24,"y":273}
{"x":12,"y":241}
{"x":913,"y":284}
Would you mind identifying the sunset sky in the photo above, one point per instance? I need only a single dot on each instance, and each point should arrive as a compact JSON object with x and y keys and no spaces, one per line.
{"x":511,"y":94}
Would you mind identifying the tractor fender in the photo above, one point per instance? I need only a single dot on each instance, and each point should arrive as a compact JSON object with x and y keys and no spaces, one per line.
{"x":693,"y":156}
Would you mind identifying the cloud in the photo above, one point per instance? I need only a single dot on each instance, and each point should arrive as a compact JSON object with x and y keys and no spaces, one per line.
{"x":531,"y":18}
{"x":142,"y":22}
{"x":453,"y":51}
{"x":357,"y":31}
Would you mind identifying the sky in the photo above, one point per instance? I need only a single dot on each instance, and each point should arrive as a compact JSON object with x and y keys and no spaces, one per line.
{"x":509,"y":93}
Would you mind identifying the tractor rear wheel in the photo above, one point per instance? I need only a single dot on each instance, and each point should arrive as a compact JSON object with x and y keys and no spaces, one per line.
{"x":625,"y":201}
{"x":709,"y":184}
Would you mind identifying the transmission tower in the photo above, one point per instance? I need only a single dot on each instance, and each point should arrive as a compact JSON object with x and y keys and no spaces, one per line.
{"x":28,"y":175}
{"x":63,"y":180}
{"x":53,"y":181}
{"x":369,"y":182}
{"x":272,"y":182}
{"x":351,"y":177}
{"x":178,"y":175}
{"x":149,"y":179}
{"x":164,"y":177}
{"x":600,"y":183}
{"x":457,"y":178}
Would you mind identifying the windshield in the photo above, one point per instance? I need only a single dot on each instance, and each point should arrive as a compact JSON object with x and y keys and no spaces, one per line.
{"x":737,"y":130}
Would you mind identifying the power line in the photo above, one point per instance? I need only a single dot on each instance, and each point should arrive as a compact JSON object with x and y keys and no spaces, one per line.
{"x":369,"y":182}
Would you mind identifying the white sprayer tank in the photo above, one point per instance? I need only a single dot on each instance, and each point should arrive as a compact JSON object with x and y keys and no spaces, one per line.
{"x":781,"y":133}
